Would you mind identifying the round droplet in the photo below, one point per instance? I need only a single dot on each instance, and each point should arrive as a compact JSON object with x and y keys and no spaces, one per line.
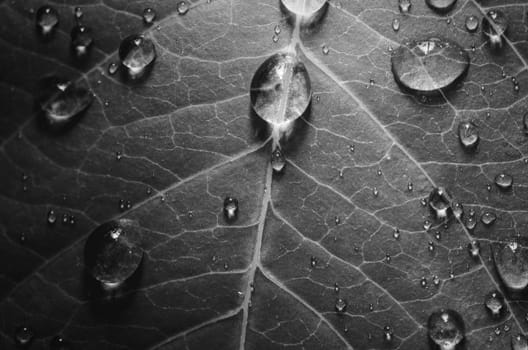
{"x":488,"y":218}
{"x":436,"y":280}
{"x":149,"y":15}
{"x":429,"y":66}
{"x":81,"y":40}
{"x":472,"y":23}
{"x":396,"y":24}
{"x":306,"y":11}
{"x":504,"y":181}
{"x":431,"y":246}
{"x":474,"y":249}
{"x":404,"y":6}
{"x":388,"y":333}
{"x":24,"y":336}
{"x":446,"y":328}
{"x":137,"y":54}
{"x":439,"y":202}
{"x":52,"y":217}
{"x":183,"y":8}
{"x":494,"y":302}
{"x":511,"y":262}
{"x":494,"y":27}
{"x":325,"y":50}
{"x":340,"y":305}
{"x":275,"y":38}
{"x":313,"y":261}
{"x":396,"y":234}
{"x":47,"y":19}
{"x":281,"y":90}
{"x":112,"y":252}
{"x":230,"y":208}
{"x":468,"y":135}
{"x":112,"y":68}
{"x":77,"y":12}
{"x":441,"y":6}
{"x":59,"y":343}
{"x":519,"y":342}
{"x":458,"y":209}
{"x":278,"y":161}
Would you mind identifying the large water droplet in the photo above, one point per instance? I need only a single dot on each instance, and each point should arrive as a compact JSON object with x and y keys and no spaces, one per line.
{"x":511,"y":262}
{"x":429,"y":66}
{"x":519,"y":342}
{"x":472,"y":23}
{"x":230,"y":208}
{"x":468,"y":135}
{"x":404,"y":6}
{"x":112,"y":252}
{"x":494,"y":302}
{"x":439,"y":202}
{"x":63,"y":101}
{"x":494,"y":26}
{"x":281,"y":91}
{"x":137,"y":55}
{"x":504,"y":181}
{"x":47,"y":19}
{"x":278,"y":161}
{"x":24,"y":336}
{"x":307,"y":11}
{"x":149,"y":15}
{"x":488,"y":218}
{"x":441,"y":5}
{"x":81,"y":40}
{"x":446,"y":328}
{"x":340,"y":305}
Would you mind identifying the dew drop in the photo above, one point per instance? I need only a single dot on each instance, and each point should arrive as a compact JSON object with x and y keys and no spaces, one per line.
{"x":404,"y":6}
{"x":396,"y":234}
{"x":47,"y":19}
{"x":313,"y":261}
{"x":277,"y":29}
{"x":519,"y":342}
{"x":458,"y":209}
{"x":137,"y":54}
{"x":436,"y":280}
{"x":183,"y":7}
{"x":230,"y":208}
{"x":494,"y":302}
{"x":423,"y":282}
{"x":59,"y":343}
{"x":474,"y":249}
{"x":388,"y":333}
{"x":472,"y":23}
{"x":410,"y":186}
{"x":149,"y":15}
{"x":52,"y":217}
{"x":396,"y":24}
{"x":275,"y":38}
{"x":325,"y":50}
{"x":278,"y":161}
{"x":81,"y":40}
{"x":504,"y":181}
{"x":112,"y":68}
{"x":438,"y":236}
{"x":494,"y":27}
{"x":112,"y":252}
{"x":441,"y":6}
{"x":488,"y":218}
{"x":511,"y":262}
{"x":375,"y":192}
{"x":468,"y":135}
{"x":423,"y":202}
{"x":340,"y":305}
{"x":379,"y":172}
{"x":336,"y":288}
{"x":446,"y":328}
{"x":439,"y":202}
{"x":427,"y":225}
{"x":24,"y":336}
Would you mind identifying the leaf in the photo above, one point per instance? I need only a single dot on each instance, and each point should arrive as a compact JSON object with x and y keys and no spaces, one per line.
{"x":187,"y":141}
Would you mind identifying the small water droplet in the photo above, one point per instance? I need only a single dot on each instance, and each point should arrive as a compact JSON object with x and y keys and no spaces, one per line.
{"x":410,"y":186}
{"x":277,"y":29}
{"x":471,"y":223}
{"x":388,"y":258}
{"x":52,"y":217}
{"x":388,"y":333}
{"x":468,"y":135}
{"x":325,"y":50}
{"x":275,"y":38}
{"x":313,"y":261}
{"x":441,"y":6}
{"x":474,"y":249}
{"x":352,"y":148}
{"x":427,"y":225}
{"x":137,"y":54}
{"x":47,"y":19}
{"x":494,"y":302}
{"x":340,"y":305}
{"x":458,"y":209}
{"x":488,"y":218}
{"x":472,"y":23}
{"x":81,"y":40}
{"x":446,"y":328}
{"x":379,"y":172}
{"x":336,"y":288}
{"x":24,"y":336}
{"x":448,"y":20}
{"x":404,"y":6}
{"x":494,"y":27}
{"x":375,"y":191}
{"x":59,"y":343}
{"x":396,"y":24}
{"x":439,"y":202}
{"x":183,"y":8}
{"x":431,"y":246}
{"x":230,"y":208}
{"x":423,"y":202}
{"x":278,"y":160}
{"x":149,"y":15}
{"x":504,"y":181}
{"x":396,"y":234}
{"x":519,"y":342}
{"x":438,"y":235}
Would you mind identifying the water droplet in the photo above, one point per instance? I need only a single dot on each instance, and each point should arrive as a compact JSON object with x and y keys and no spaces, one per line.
{"x":439,"y":202}
{"x":431,"y":246}
{"x":519,"y":342}
{"x":24,"y":336}
{"x":137,"y":54}
{"x":468,"y":135}
{"x":448,"y":20}
{"x":458,"y":209}
{"x":436,"y":280}
{"x":277,"y":29}
{"x":371,"y":307}
{"x":494,"y":27}
{"x":472,"y":23}
{"x":183,"y":8}
{"x":511,"y":261}
{"x":351,"y":148}
{"x":337,"y":220}
{"x":410,"y":186}
{"x":488,"y":218}
{"x":427,"y":225}
{"x":516,"y":88}
{"x":340,"y":305}
{"x":281,"y":91}
{"x":525,"y":124}
{"x":77,"y":13}
{"x":396,"y":234}
{"x":336,"y":288}
{"x":112,"y":68}
{"x":149,"y":15}
{"x":52,"y":217}
{"x":387,"y":333}
{"x":446,"y":328}
{"x":59,"y":343}
{"x":441,"y":6}
{"x":379,"y":172}
{"x":404,"y":6}
{"x":278,"y":161}
{"x":471,"y":223}
{"x":504,"y":181}
{"x":396,"y":24}
{"x":313,"y":261}
{"x":230,"y":208}
{"x":429,"y":66}
{"x":275,"y":38}
{"x":47,"y":19}
{"x":438,"y":236}
{"x":494,"y":302}
{"x":423,"y":282}
{"x":112,"y":252}
{"x":325,"y":50}
{"x":375,"y":191}
{"x":497,"y":331}
{"x":474,"y":249}
{"x":81,"y":40}
{"x":388,"y":258}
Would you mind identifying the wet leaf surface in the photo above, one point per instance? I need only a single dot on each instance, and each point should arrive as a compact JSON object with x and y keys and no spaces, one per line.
{"x":177,"y":143}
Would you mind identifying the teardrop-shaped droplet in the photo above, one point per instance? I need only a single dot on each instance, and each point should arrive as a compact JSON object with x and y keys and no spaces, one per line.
{"x":47,"y":19}
{"x":446,"y":328}
{"x":488,"y":218}
{"x":427,"y":225}
{"x":439,"y":202}
{"x":325,"y":50}
{"x":511,"y":262}
{"x":504,"y":181}
{"x":81,"y":40}
{"x":429,"y":66}
{"x":149,"y":15}
{"x":519,"y":342}
{"x":281,"y":91}
{"x":474,"y":249}
{"x":468,"y":135}
{"x":340,"y":305}
{"x":396,"y":24}
{"x":494,"y":302}
{"x":471,"y":223}
{"x":113,"y":253}
{"x":494,"y":27}
{"x":63,"y":101}
{"x":307,"y":11}
{"x":137,"y":55}
{"x":230,"y":208}
{"x":458,"y":209}
{"x":112,"y":68}
{"x":24,"y":336}
{"x":441,"y":6}
{"x":183,"y":8}
{"x":404,"y":6}
{"x":278,"y":161}
{"x":472,"y":23}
